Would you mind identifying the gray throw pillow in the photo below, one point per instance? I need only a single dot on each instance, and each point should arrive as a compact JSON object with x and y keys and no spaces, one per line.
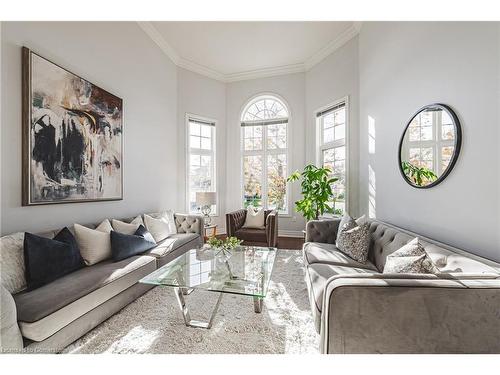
{"x":353,"y":239}
{"x":410,"y":258}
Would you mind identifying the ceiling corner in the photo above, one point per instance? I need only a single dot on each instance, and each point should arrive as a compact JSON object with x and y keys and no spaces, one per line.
{"x":331,"y":47}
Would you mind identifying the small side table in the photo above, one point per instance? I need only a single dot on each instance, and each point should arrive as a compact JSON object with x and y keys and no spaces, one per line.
{"x":207,"y":228}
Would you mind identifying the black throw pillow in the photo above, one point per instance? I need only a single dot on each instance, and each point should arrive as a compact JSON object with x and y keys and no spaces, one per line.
{"x":127,"y":245}
{"x":48,"y":259}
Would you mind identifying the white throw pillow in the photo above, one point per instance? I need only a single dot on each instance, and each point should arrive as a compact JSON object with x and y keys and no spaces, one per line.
{"x":160,"y":225}
{"x":127,"y":228}
{"x":94,"y":244}
{"x":410,"y":258}
{"x":12,"y":269}
{"x":255,"y":218}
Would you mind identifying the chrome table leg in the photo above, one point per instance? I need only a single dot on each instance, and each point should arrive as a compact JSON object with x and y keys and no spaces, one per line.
{"x":257,"y":304}
{"x":185,"y":311}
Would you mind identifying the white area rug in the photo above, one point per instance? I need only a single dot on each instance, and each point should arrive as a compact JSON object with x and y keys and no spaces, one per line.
{"x":154,"y":323}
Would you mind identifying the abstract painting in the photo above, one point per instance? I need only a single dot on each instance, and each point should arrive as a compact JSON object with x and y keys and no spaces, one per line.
{"x":72,"y":136}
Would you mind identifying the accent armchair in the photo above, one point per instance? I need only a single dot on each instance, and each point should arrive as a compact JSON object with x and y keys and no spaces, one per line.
{"x":265,"y":236}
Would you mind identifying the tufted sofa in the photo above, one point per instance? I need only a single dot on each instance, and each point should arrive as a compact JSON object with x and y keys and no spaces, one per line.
{"x":359,"y":309}
{"x":49,"y":318}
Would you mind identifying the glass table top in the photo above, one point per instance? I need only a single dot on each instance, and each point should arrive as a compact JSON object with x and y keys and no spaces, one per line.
{"x":246,"y":271}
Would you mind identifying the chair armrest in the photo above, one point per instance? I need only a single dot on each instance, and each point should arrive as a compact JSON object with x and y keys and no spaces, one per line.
{"x":410,"y":314}
{"x":11,"y":340}
{"x":324,"y":231}
{"x":186,"y":223}
{"x":272,"y":229}
{"x":234,"y":221}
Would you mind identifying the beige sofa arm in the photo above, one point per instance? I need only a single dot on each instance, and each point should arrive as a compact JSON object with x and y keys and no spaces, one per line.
{"x":394,"y":314}
{"x":189,"y":223}
{"x":11,"y":340}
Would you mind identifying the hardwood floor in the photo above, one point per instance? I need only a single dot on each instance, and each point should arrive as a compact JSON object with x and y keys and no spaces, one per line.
{"x":291,"y":243}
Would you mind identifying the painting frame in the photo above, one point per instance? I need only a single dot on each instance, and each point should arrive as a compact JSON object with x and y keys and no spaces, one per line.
{"x":27,"y":129}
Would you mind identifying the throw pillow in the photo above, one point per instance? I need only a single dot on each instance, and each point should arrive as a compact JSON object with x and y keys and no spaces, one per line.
{"x":127,"y":245}
{"x":346,"y":223}
{"x":12,"y":262}
{"x":410,"y":258}
{"x":94,"y":244}
{"x":354,"y":241}
{"x":127,"y":228}
{"x":160,"y":225}
{"x":49,"y":259}
{"x":254,"y":218}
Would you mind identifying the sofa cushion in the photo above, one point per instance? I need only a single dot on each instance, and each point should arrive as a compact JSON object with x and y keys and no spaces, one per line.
{"x":127,"y":228}
{"x":174,"y":242}
{"x":252,"y":234}
{"x":319,"y":274}
{"x":315,"y":252}
{"x":94,"y":244}
{"x":48,"y":259}
{"x":44,"y":311}
{"x":127,"y":245}
{"x":411,"y":258}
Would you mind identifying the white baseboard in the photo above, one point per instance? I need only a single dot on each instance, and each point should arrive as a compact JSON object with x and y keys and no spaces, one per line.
{"x":290,"y":233}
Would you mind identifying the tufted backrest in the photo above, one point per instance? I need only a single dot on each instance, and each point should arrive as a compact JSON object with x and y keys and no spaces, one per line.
{"x":386,"y":239}
{"x":324,"y":231}
{"x":188,"y":223}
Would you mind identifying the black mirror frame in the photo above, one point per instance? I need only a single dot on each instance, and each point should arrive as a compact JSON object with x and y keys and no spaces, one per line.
{"x":458,"y":144}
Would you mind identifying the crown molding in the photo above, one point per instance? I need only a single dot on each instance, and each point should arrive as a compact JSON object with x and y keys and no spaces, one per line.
{"x":200,"y":69}
{"x":331,"y":47}
{"x":319,"y":56}
{"x":156,"y":37}
{"x":265,"y":72}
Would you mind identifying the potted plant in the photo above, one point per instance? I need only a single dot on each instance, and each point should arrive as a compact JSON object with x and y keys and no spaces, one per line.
{"x":316,"y":191}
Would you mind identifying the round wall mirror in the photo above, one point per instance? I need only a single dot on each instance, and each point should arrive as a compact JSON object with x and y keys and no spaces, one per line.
{"x":430,"y":145}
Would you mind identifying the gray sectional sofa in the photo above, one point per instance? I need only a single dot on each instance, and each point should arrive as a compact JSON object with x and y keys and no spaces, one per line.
{"x":359,"y":309}
{"x":49,"y":318}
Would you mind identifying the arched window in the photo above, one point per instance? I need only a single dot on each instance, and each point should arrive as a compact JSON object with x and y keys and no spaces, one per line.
{"x":264,"y":138}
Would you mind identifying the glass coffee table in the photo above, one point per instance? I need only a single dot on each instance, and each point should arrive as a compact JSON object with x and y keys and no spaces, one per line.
{"x":247,"y":271}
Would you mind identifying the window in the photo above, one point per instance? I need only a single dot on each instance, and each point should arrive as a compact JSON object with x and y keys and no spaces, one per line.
{"x":431,"y":140}
{"x":201,"y":160}
{"x":332,"y":151}
{"x":264,"y":138}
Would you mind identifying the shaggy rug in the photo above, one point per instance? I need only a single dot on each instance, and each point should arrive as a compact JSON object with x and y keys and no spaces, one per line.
{"x":154,"y":324}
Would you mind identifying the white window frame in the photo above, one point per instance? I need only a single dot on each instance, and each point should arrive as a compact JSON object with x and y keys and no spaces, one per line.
{"x":320,"y":146}
{"x":213,"y":153}
{"x":265,"y":152}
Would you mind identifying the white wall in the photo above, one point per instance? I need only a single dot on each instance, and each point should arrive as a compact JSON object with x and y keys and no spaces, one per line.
{"x":122,"y":59}
{"x":291,"y":88}
{"x":206,"y":97}
{"x":403,"y":66}
{"x":332,"y":79}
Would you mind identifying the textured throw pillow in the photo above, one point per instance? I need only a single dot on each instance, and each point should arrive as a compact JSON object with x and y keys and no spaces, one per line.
{"x":127,"y":228}
{"x":354,"y":241}
{"x":12,"y":269}
{"x":49,"y":259}
{"x":254,"y":218}
{"x":410,"y":258}
{"x":160,"y":225}
{"x":127,"y":245}
{"x":346,"y":223}
{"x":94,"y":244}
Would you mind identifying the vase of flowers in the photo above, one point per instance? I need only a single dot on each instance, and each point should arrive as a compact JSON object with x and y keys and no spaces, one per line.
{"x":223,"y":247}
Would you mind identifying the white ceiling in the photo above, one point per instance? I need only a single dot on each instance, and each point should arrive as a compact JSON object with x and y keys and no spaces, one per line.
{"x":231,"y":51}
